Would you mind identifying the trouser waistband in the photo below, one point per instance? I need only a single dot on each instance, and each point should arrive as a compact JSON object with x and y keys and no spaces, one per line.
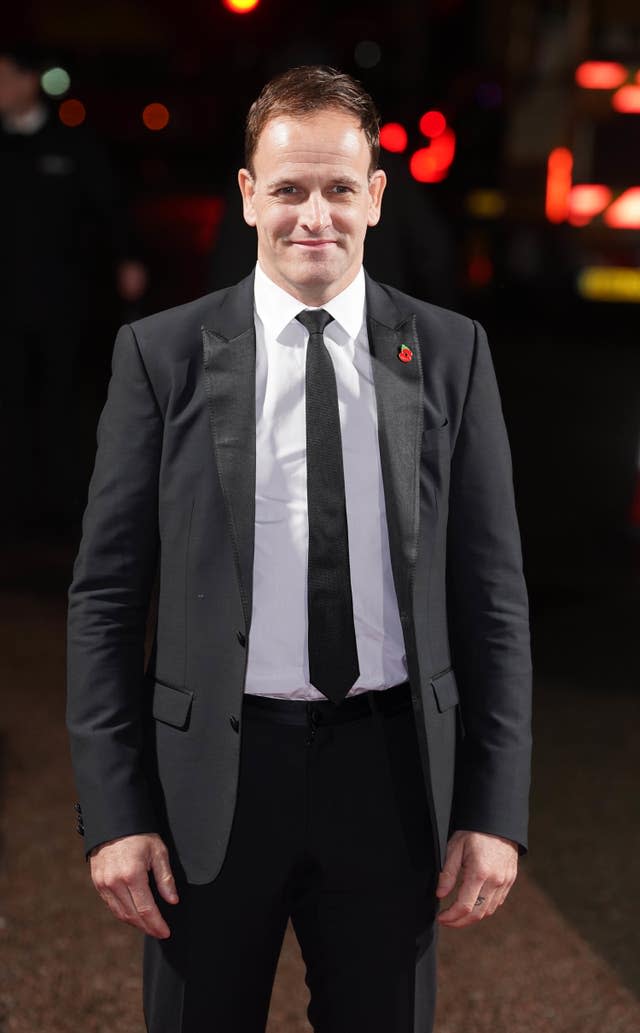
{"x":324,"y":711}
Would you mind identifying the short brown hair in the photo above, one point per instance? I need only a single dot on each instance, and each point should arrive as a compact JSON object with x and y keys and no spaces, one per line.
{"x":301,"y":92}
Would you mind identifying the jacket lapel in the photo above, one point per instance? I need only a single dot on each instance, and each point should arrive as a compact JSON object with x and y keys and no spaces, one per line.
{"x":399,"y":399}
{"x":229,"y":347}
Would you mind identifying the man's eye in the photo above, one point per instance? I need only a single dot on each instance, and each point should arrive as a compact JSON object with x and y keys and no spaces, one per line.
{"x":286,"y":190}
{"x":341,"y":188}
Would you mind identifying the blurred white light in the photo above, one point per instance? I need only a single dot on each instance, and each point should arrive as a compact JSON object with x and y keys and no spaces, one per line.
{"x":367,"y":53}
{"x":55,"y":82}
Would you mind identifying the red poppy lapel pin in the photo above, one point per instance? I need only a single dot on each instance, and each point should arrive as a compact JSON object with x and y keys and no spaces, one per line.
{"x":405,"y":354}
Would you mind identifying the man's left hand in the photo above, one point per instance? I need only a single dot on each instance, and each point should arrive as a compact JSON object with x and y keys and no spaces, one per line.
{"x":487,"y":867}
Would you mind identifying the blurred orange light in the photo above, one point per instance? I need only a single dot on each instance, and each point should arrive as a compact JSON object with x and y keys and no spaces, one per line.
{"x":624,"y":213}
{"x":393,"y":137}
{"x":72,"y":112}
{"x":627,"y":100}
{"x":585,"y":201}
{"x":240,"y":6}
{"x":431,"y":164}
{"x":559,"y":169}
{"x":600,"y":75}
{"x":155,"y":116}
{"x":433,"y":123}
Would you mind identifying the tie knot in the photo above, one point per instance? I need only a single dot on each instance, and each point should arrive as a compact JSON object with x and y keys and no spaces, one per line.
{"x":314,"y":320}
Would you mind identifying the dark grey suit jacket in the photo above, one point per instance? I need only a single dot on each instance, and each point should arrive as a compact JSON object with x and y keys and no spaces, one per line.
{"x":173,"y":489}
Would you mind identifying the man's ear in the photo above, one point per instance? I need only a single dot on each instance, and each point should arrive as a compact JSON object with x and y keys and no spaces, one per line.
{"x":247,"y":188}
{"x":377,"y":183}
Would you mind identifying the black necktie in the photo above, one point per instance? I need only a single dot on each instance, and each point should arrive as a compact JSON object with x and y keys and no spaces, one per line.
{"x":333,"y":656}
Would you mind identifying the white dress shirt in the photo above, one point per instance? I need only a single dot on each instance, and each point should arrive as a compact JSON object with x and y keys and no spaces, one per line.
{"x":278,"y":663}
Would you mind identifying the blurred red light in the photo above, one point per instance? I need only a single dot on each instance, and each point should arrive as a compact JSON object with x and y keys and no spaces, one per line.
{"x":559,"y":169}
{"x":423,"y":168}
{"x":155,"y":116}
{"x":393,"y":137}
{"x":431,"y":164}
{"x":72,"y":112}
{"x":624,"y":213}
{"x":480,"y":270}
{"x":600,"y":75}
{"x":585,"y":201}
{"x":240,"y":6}
{"x":627,"y":100}
{"x":433,"y":123}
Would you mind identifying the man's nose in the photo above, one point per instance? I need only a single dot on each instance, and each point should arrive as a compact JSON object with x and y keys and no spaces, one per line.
{"x":316,"y":215}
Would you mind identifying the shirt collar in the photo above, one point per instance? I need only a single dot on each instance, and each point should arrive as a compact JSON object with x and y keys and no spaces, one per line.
{"x":276,"y":308}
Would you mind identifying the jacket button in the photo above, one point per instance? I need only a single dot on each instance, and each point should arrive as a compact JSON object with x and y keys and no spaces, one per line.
{"x":233,"y":721}
{"x":241,"y":638}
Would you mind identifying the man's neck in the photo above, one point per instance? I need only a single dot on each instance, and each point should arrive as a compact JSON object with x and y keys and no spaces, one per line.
{"x":311,"y":298}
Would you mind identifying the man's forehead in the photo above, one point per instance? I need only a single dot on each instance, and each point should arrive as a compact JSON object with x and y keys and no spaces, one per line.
{"x":331,"y":141}
{"x":321,"y":133}
{"x":301,"y":158}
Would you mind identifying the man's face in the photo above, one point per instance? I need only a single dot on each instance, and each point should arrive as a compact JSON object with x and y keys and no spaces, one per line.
{"x":311,"y":200}
{"x":19,"y":88}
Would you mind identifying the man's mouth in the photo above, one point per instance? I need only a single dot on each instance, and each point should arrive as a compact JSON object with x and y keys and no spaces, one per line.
{"x":320,"y":244}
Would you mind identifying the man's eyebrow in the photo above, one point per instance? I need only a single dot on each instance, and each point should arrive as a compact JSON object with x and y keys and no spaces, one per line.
{"x":285,"y":181}
{"x":347,"y":180}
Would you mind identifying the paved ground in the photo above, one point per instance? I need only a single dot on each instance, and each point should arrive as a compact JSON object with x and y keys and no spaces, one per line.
{"x":562,"y":956}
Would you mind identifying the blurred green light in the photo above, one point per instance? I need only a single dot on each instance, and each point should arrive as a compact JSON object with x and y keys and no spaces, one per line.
{"x":55,"y":82}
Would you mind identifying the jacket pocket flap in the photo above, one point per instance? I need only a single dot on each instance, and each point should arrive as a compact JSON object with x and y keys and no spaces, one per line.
{"x":432,"y":436}
{"x":445,"y":689}
{"x":171,"y":705}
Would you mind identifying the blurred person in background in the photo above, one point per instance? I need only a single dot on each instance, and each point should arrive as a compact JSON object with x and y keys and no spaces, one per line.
{"x":63,"y":236}
{"x":334,"y":722}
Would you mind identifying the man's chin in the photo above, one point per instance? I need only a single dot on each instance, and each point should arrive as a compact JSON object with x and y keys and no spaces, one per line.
{"x":316,"y":270}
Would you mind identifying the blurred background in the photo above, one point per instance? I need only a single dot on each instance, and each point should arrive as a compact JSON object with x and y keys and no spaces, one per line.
{"x":511,"y":138}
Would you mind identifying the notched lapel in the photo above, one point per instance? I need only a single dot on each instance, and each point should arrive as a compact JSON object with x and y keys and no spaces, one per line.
{"x":229,"y":371}
{"x":399,"y":399}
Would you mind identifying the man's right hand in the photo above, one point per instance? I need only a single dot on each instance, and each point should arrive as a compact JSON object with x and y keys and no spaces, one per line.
{"x":119,"y":869}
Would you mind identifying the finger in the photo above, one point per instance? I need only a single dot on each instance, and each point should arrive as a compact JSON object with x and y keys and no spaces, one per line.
{"x":148,"y":914}
{"x":106,"y":888}
{"x":163,"y":876}
{"x":463,"y":906}
{"x":451,"y":869}
{"x":491,"y":903}
{"x":504,"y":891}
{"x":118,"y":900}
{"x":114,"y":905}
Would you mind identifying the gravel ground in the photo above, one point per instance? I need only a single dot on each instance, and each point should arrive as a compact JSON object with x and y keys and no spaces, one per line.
{"x":67,"y":966}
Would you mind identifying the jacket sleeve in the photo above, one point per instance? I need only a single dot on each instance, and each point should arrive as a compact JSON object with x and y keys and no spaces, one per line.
{"x":108,"y":602}
{"x":488,"y":617}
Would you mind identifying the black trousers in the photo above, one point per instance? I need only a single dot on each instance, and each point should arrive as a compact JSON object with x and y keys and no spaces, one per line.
{"x":331,"y":829}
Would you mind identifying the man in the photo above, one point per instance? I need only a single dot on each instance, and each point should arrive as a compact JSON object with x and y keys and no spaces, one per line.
{"x":334,"y":721}
{"x":62,"y":226}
